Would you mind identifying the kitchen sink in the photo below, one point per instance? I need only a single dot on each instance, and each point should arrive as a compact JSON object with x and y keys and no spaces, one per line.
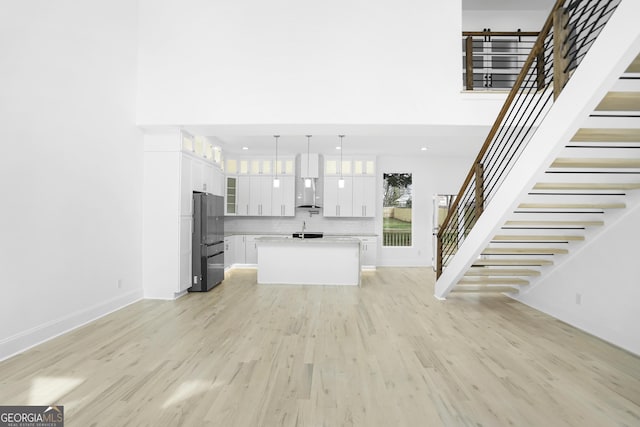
{"x":307,"y":235}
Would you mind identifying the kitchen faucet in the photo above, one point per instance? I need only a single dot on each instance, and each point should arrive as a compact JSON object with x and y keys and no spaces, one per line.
{"x":304,"y":226}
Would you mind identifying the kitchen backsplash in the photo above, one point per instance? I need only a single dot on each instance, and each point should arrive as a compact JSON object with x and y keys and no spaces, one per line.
{"x":294,"y":224}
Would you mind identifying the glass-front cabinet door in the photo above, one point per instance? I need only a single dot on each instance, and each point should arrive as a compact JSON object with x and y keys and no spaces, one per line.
{"x":230,"y":202}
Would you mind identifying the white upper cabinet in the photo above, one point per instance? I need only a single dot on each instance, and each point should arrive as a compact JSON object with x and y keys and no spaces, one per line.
{"x":334,"y":166}
{"x":218,"y":182}
{"x":243,"y":195}
{"x":364,"y":166}
{"x":230,"y":196}
{"x":285,"y":166}
{"x":338,"y":200}
{"x":350,"y":165}
{"x":357,"y":197}
{"x":186,"y":199}
{"x":231,"y":166}
{"x":261,"y":167}
{"x":283,"y":197}
{"x":364,"y":196}
{"x":260,"y":195}
{"x":250,"y":188}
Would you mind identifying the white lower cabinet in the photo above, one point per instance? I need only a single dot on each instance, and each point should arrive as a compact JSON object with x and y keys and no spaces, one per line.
{"x":368,"y":252}
{"x":238,"y":249}
{"x":228,"y":252}
{"x":243,"y":248}
{"x":250,"y":250}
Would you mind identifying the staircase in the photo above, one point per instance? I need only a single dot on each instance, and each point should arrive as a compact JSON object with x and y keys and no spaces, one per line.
{"x":579,"y":172}
{"x":594,"y":176}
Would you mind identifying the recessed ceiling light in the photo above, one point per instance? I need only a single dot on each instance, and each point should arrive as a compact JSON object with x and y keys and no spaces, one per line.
{"x":338,"y":148}
{"x":424,"y":149}
{"x":245,"y":148}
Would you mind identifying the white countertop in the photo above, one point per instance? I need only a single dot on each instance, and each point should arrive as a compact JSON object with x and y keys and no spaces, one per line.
{"x":285,"y":234}
{"x":314,"y":241}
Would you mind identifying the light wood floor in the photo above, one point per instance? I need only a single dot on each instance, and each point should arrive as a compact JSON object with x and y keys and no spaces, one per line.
{"x":387,"y":354}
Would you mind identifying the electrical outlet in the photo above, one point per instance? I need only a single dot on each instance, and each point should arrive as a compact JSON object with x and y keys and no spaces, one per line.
{"x":578,"y":299}
{"x":119,"y":283}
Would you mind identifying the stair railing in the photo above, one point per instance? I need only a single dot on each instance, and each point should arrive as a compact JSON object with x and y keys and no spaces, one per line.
{"x":567,"y":35}
{"x":492,"y":60}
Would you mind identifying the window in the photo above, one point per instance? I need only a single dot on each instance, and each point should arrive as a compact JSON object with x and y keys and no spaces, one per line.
{"x":396,"y":223}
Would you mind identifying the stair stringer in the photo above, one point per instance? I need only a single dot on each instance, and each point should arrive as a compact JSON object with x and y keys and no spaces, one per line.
{"x":591,"y":234}
{"x":615,"y":48}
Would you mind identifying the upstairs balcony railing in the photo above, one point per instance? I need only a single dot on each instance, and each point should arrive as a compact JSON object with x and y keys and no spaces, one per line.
{"x":492,"y":60}
{"x":567,"y":35}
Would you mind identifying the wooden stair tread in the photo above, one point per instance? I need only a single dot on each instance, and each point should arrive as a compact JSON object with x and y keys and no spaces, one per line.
{"x":537,"y":237}
{"x":511,"y":272}
{"x":531,"y":251}
{"x":571,"y":206}
{"x":607,"y":135}
{"x":555,"y":223}
{"x":634,"y":67}
{"x":585,"y":186}
{"x":512,"y":262}
{"x":483,"y":289}
{"x":620,"y":101}
{"x":493,"y":281}
{"x":595,"y":163}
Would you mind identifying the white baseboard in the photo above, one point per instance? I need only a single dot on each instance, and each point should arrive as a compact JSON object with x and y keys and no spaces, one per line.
{"x":37,"y":335}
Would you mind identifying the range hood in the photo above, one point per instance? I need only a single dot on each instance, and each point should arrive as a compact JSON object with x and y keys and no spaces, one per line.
{"x":308,"y":183}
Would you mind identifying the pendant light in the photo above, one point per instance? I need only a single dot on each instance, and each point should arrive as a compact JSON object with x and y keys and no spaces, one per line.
{"x":276,"y":180}
{"x":341,"y":180}
{"x":307,"y":180}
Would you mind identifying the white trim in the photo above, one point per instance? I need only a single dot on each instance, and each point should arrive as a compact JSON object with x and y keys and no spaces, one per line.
{"x":37,"y":335}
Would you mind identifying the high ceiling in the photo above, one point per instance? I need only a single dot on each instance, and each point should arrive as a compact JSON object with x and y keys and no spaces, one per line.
{"x":379,"y":139}
{"x":507,"y":4}
{"x":405,"y":140}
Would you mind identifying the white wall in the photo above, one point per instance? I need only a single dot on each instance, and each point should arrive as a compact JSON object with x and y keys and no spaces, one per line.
{"x":70,"y":169}
{"x":303,"y":61}
{"x":606,"y":274}
{"x":431,"y":175}
{"x":500,"y":20}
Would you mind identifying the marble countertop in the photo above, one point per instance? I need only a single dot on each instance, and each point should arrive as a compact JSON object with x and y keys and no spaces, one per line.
{"x":298,"y":241}
{"x":288,"y":234}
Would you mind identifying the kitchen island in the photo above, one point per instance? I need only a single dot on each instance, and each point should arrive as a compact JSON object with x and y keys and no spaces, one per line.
{"x":294,"y":261}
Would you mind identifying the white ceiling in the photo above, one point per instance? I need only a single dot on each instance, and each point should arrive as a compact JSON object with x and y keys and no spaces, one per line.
{"x":403,"y":140}
{"x":508,"y":4}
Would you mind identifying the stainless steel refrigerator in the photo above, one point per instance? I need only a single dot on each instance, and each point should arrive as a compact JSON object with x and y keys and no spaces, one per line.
{"x":208,"y":242}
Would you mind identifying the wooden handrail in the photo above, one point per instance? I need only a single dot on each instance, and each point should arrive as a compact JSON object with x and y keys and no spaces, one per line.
{"x":500,"y":33}
{"x":535,"y":50}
